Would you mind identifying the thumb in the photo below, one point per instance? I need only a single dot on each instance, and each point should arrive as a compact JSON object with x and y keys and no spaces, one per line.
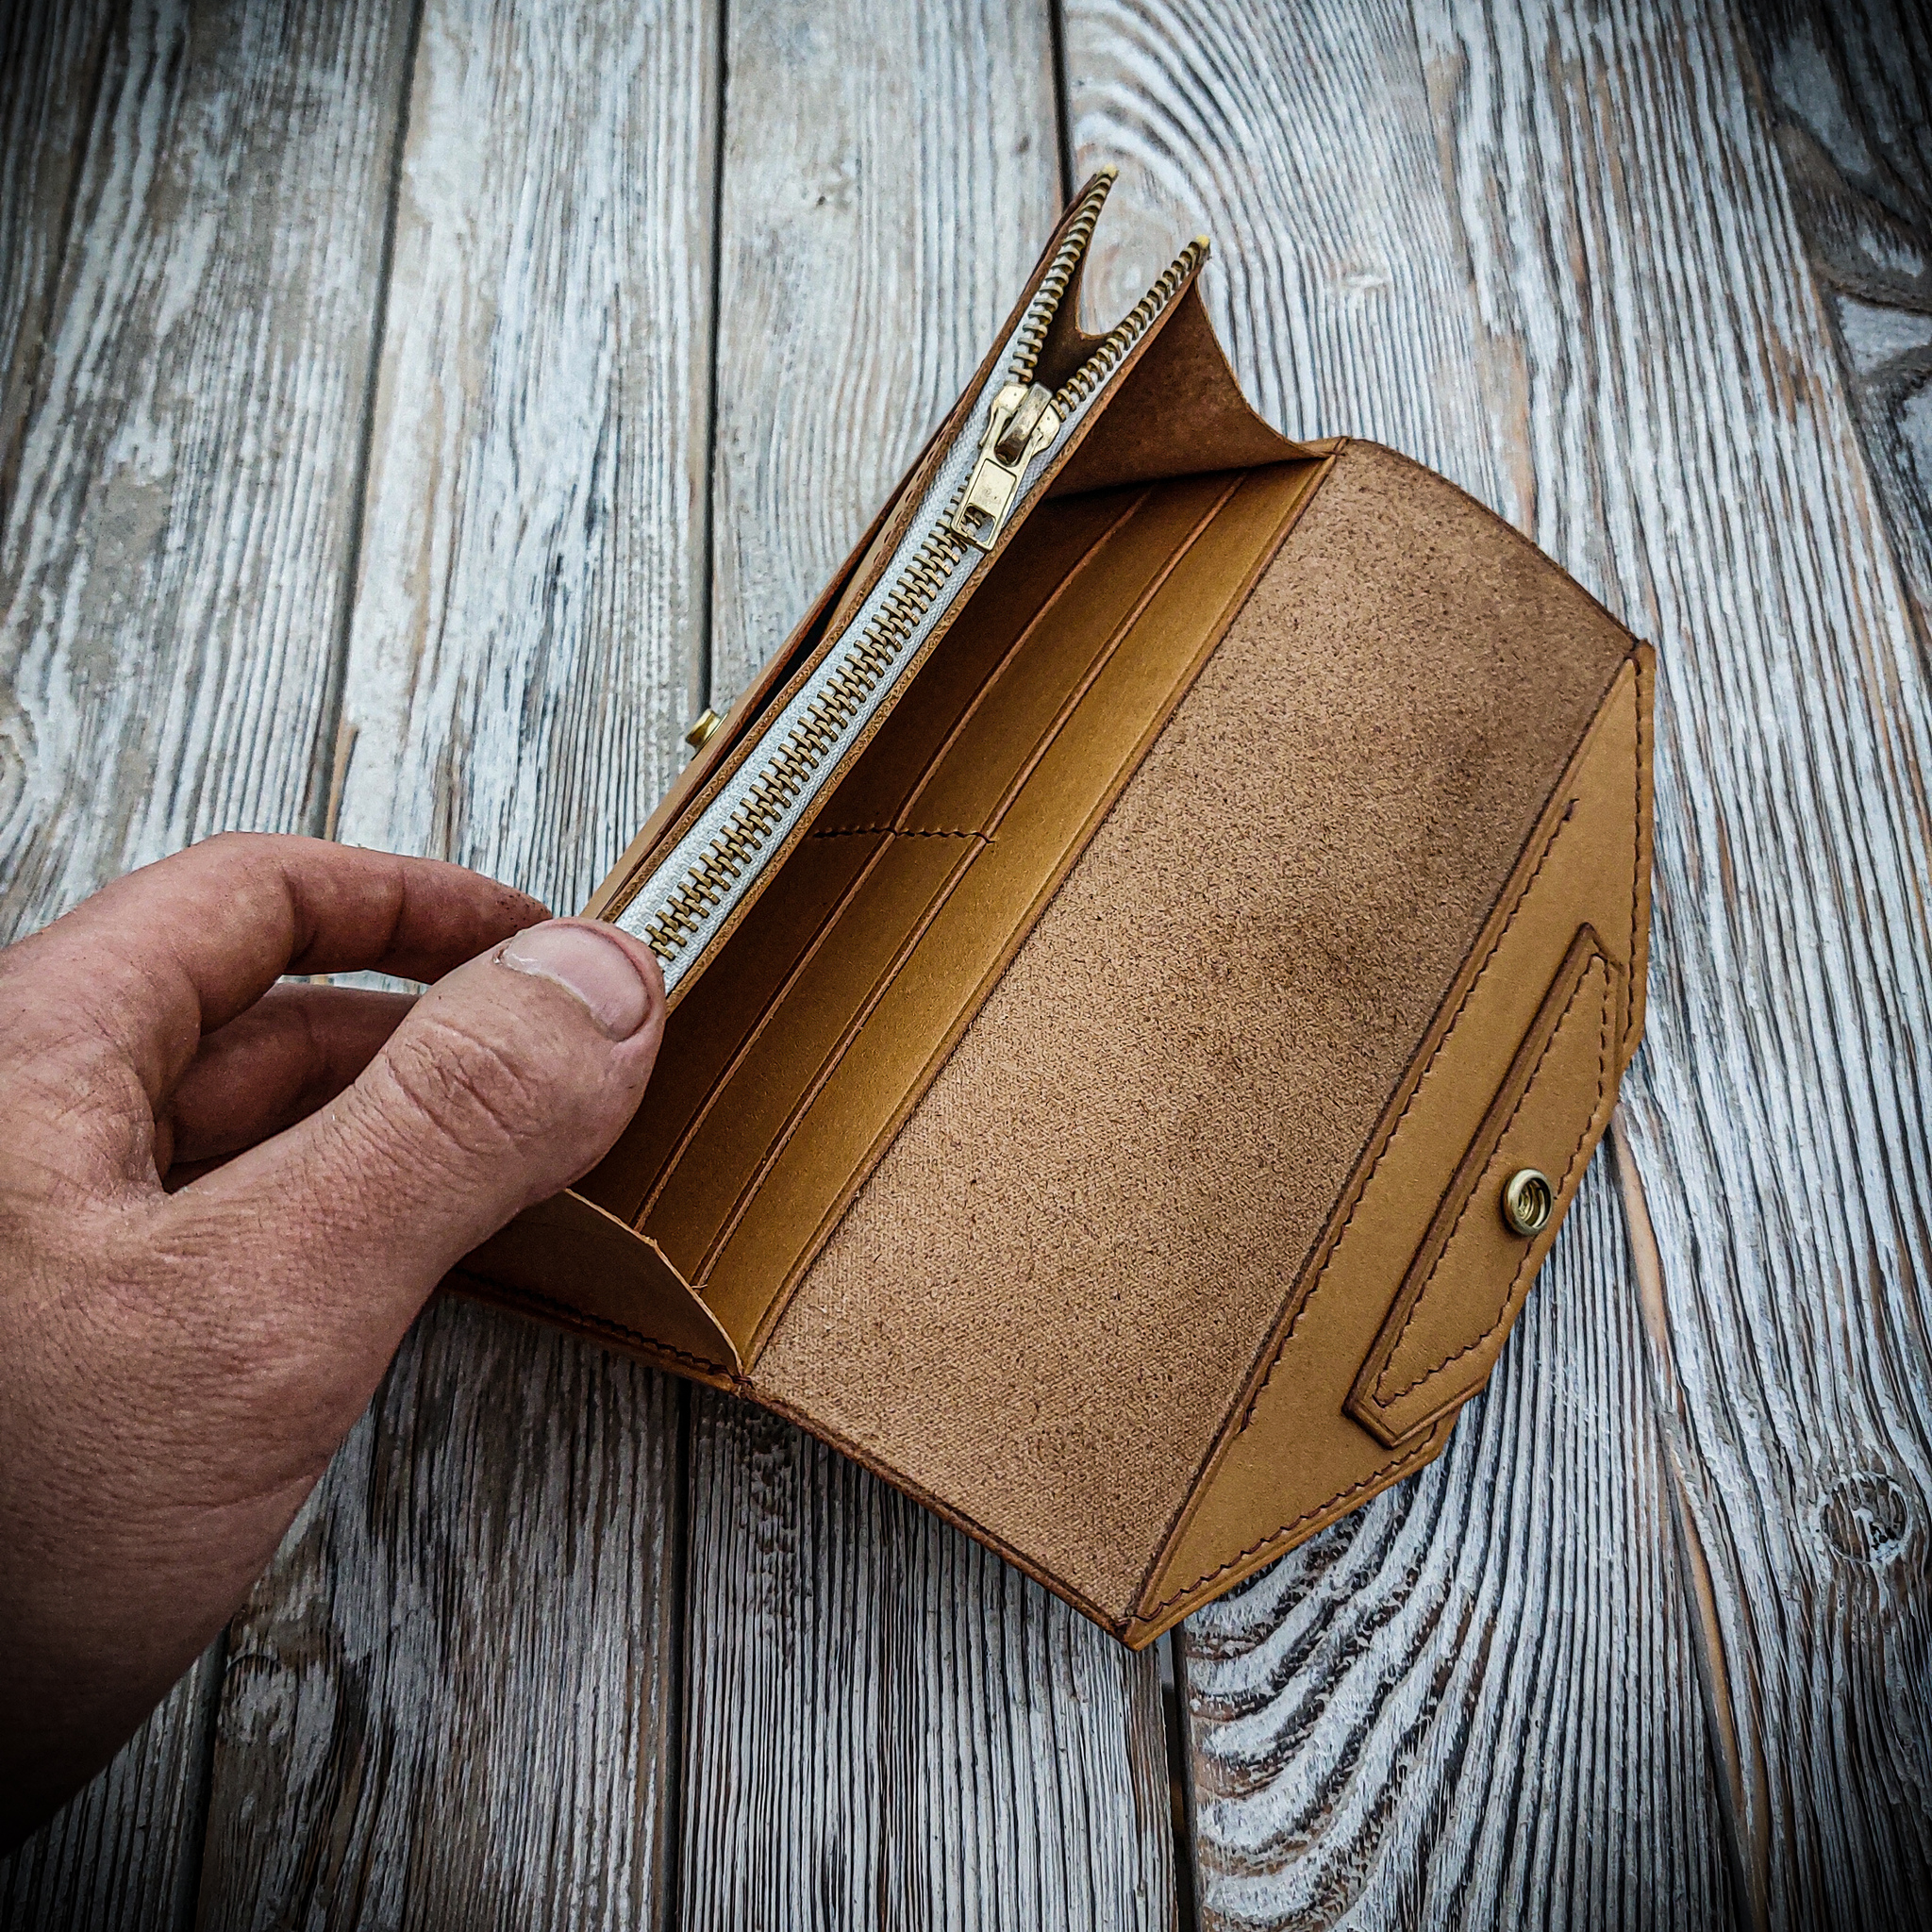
{"x":507,"y":1080}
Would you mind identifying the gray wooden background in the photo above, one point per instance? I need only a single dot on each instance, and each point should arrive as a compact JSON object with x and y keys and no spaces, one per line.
{"x":411,"y":417}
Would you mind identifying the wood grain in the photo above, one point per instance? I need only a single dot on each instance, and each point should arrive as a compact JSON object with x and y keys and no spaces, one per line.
{"x":171,"y":578}
{"x":883,"y":1724}
{"x":889,"y":1724}
{"x":890,"y":177}
{"x":1848,"y":91}
{"x":1471,"y":1703}
{"x":1477,"y":1701}
{"x":124,"y":1856}
{"x":53,"y":60}
{"x":1652,"y":323}
{"x":1558,"y":252}
{"x":173,"y":555}
{"x":530,"y":605}
{"x":452,"y":1700}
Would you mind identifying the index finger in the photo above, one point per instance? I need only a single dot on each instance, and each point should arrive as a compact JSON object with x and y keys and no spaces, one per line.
{"x":179,"y":948}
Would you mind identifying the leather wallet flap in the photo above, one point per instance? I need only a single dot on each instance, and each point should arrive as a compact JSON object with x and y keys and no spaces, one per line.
{"x":1301,"y":1449}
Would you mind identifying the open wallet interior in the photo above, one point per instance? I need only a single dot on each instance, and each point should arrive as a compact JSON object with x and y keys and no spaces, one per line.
{"x":821,"y":1019}
{"x":821,"y":1014}
{"x":1124,"y":955}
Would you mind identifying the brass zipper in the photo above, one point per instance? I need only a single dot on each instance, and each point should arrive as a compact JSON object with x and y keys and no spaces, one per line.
{"x":687,"y":899}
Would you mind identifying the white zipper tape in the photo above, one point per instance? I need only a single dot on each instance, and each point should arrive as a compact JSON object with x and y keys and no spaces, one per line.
{"x":689,"y":897}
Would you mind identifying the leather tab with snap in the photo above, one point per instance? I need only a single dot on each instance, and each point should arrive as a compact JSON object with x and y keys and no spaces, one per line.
{"x":1475,"y":1264}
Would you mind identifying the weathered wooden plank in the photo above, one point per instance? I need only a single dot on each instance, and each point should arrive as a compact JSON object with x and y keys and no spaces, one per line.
{"x":175,"y":548}
{"x":1849,"y":92}
{"x":530,"y":605}
{"x":883,"y":1724}
{"x":1300,"y":141}
{"x":1479,"y":1699}
{"x":52,"y":58}
{"x":126,"y":1852}
{"x":889,"y":1724}
{"x":1651,"y":319}
{"x":172,"y":576}
{"x":452,"y":1701}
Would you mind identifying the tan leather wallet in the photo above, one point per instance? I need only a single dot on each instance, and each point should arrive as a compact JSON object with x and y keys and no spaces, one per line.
{"x":1148,"y":963}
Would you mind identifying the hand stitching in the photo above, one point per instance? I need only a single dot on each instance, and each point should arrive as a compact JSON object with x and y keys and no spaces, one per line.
{"x":1521,"y":900}
{"x":1386,"y":1469}
{"x":1286,"y":1529}
{"x":1362,"y":1194}
{"x":1508,"y":1299}
{"x":1478,"y":1187}
{"x":892,"y":832}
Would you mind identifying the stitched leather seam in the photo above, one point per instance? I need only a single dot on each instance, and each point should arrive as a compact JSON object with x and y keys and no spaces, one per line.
{"x":1286,"y":1529}
{"x":577,"y":1316}
{"x":1362,"y":1194}
{"x":1384,"y":1401}
{"x":1461,"y":1005}
{"x":1523,"y":898}
{"x":892,"y":832}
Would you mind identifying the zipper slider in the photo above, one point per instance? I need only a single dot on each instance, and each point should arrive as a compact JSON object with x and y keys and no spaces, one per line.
{"x":1022,"y":422}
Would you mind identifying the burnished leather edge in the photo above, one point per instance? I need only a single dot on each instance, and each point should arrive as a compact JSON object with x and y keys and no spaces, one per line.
{"x":558,"y":1314}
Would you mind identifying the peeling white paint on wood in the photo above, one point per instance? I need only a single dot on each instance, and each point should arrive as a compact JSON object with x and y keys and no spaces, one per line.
{"x":452,"y":1700}
{"x":186,"y":349}
{"x":175,"y":552}
{"x":1650,"y":1645}
{"x":1698,"y":463}
{"x":530,"y":598}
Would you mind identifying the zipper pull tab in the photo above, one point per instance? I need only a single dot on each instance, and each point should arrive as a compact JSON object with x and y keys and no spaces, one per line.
{"x":1024,"y":421}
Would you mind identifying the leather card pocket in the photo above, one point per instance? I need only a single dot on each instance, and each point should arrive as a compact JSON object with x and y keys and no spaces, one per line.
{"x":1472,"y":1270}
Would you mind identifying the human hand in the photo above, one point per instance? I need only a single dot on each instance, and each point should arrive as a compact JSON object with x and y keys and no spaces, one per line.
{"x":177,"y":1368}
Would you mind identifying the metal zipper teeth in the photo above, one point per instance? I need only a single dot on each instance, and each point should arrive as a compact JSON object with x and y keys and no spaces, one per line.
{"x":712,"y":877}
{"x":1113,"y":348}
{"x":1031,"y":338}
{"x":718,"y":868}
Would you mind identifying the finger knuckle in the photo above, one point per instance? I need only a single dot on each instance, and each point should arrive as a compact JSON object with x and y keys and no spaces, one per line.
{"x":474,"y":1091}
{"x":238,"y":849}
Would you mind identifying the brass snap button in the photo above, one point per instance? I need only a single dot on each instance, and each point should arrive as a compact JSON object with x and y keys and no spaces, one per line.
{"x":700,"y":734}
{"x":1527,"y":1199}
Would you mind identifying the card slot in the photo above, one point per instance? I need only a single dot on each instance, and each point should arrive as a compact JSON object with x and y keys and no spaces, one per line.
{"x":1000,"y":740}
{"x":704,"y":1039}
{"x":846,"y":881}
{"x":829,"y":1008}
{"x":1010,"y":681}
{"x":1060,"y":756}
{"x":1057,"y":547}
{"x":799,"y":1039}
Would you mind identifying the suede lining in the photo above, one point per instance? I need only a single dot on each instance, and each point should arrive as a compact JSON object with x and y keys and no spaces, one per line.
{"x":1047,"y":1298}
